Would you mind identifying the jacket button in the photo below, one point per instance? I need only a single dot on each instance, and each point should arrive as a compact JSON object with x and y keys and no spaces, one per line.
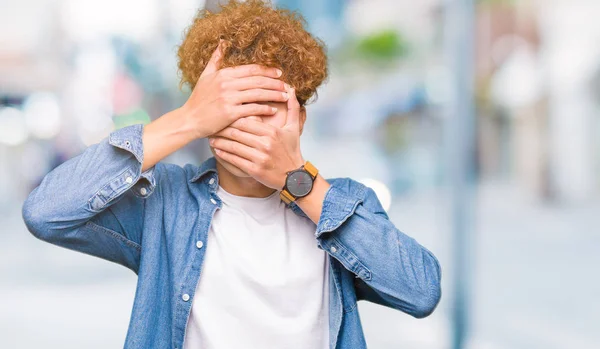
{"x":333,"y":249}
{"x":212,"y":180}
{"x":185,"y":297}
{"x":213,"y":201}
{"x":129,"y":180}
{"x":199,"y":244}
{"x":143,"y":191}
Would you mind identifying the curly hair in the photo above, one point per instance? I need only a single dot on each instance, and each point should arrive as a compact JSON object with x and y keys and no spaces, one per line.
{"x":254,"y":32}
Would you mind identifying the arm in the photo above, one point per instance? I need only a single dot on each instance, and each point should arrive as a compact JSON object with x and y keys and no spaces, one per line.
{"x":392,"y":268}
{"x":94,"y":203}
{"x":89,"y":207}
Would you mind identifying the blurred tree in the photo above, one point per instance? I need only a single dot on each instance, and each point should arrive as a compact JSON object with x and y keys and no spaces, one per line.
{"x":384,"y":45}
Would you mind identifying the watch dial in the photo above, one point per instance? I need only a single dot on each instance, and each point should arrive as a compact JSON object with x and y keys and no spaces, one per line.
{"x":299,"y":183}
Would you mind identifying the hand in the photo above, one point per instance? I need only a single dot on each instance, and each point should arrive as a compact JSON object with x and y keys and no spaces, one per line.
{"x":220,"y":97}
{"x":263,"y":151}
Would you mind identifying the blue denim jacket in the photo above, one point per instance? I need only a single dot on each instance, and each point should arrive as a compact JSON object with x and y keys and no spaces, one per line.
{"x":100,"y":203}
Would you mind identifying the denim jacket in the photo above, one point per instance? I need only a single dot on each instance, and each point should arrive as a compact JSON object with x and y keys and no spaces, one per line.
{"x":156,"y":223}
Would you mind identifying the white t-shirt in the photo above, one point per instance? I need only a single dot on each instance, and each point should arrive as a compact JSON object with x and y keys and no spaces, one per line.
{"x":264,"y":281}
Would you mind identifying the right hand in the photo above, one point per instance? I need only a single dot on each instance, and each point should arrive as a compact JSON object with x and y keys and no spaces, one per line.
{"x":220,"y":97}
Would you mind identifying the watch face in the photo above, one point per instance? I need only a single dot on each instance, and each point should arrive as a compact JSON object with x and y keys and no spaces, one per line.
{"x":299,"y":183}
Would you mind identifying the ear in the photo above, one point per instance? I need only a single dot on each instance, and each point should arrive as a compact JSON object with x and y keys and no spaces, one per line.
{"x":302,"y":118}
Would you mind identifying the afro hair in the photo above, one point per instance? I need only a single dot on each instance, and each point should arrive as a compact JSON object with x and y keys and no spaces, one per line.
{"x":253,"y":32}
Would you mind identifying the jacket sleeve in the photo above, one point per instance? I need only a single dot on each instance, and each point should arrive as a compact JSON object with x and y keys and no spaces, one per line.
{"x":94,"y":202}
{"x":391,"y":268}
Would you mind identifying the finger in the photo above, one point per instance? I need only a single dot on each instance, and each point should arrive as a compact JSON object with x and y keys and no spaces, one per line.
{"x":252,"y":109}
{"x":260,"y":95}
{"x":258,"y":128}
{"x":237,"y":161}
{"x":236,"y":148}
{"x":214,"y":62}
{"x":243,"y":137}
{"x":242,"y":71}
{"x":255,"y":118}
{"x":293,"y":114}
{"x":254,"y":82}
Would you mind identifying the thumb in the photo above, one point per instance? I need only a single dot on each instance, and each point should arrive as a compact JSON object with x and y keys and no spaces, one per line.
{"x":293,"y":114}
{"x":215,"y":61}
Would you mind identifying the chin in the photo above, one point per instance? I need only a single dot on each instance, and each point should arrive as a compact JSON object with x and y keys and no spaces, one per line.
{"x":232,"y":169}
{"x":236,"y":171}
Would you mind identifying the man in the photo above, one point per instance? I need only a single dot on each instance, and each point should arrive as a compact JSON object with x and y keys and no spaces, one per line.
{"x":254,"y":248}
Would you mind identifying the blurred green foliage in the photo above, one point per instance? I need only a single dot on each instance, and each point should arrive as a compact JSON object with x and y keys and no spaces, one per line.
{"x":387,"y":44}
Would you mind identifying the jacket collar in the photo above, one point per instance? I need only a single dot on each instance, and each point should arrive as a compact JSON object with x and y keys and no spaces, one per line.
{"x":208,"y":166}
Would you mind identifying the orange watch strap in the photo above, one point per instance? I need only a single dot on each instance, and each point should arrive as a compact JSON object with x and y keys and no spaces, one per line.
{"x":286,"y":197}
{"x":312,"y":170}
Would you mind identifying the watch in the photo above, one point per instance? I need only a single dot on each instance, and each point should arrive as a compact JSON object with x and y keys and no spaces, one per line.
{"x":298,"y":183}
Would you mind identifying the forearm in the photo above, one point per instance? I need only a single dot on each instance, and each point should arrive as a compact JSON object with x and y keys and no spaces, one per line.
{"x":166,"y":135}
{"x":404,"y":274}
{"x":354,"y":228}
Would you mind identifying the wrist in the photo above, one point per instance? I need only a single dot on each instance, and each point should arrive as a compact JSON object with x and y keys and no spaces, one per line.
{"x":312,"y":204}
{"x":164,"y":136}
{"x":185,"y":125}
{"x":298,"y":161}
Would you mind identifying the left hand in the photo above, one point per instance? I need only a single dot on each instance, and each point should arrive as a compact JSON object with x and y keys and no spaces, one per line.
{"x":265,"y":152}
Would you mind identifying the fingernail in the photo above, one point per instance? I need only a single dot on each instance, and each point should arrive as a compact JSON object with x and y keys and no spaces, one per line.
{"x":273,"y":110}
{"x":287,"y":87}
{"x":211,"y":141}
{"x":279,"y":72}
{"x":285,"y":95}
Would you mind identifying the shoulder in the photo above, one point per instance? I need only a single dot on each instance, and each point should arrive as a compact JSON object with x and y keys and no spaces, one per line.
{"x":174,"y":173}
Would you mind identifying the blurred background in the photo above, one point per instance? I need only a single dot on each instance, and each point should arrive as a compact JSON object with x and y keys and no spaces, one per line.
{"x":477,"y":124}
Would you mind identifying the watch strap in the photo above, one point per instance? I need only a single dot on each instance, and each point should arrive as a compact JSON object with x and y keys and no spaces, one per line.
{"x":286,"y":197}
{"x":312,"y":170}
